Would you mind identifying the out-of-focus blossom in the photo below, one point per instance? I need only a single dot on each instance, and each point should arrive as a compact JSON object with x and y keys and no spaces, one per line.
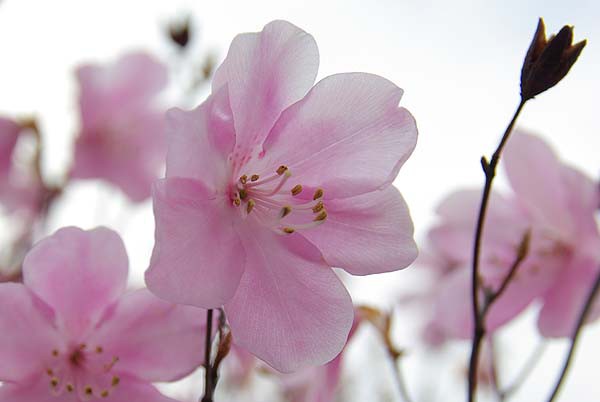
{"x":69,"y":333}
{"x":269,"y":184}
{"x":557,"y":205}
{"x":121,"y":139}
{"x":9,"y":133}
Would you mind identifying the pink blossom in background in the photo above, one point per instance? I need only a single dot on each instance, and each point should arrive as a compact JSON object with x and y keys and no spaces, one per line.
{"x":270,"y":182}
{"x":71,"y":333}
{"x":558,"y":204}
{"x":121,"y":135}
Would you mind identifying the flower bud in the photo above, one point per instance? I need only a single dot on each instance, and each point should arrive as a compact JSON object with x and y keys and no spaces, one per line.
{"x":179,"y":32}
{"x":548,"y":60}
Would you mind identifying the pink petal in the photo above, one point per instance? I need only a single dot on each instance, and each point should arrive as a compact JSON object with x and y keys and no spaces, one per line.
{"x":78,"y":273}
{"x":563,"y":302}
{"x":583,"y":198}
{"x":200,"y":141}
{"x":198,"y":258}
{"x":347,"y":135}
{"x":38,"y":391}
{"x":9,"y":133}
{"x":536,"y":176}
{"x":28,"y":336}
{"x":290,"y":309}
{"x":154,"y":340}
{"x":133,"y":390}
{"x":129,"y":83}
{"x":265,"y":73}
{"x":380,"y":220}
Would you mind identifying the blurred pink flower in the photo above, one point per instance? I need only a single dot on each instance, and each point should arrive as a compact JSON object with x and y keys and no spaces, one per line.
{"x":269,"y":184}
{"x":558,"y":205}
{"x":70,"y":330}
{"x":122,"y":132}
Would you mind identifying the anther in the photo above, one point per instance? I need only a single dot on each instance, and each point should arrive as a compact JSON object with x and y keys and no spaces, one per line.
{"x":321,"y":217}
{"x":288,"y":230}
{"x":285,"y":211}
{"x":243,"y":194}
{"x":50,"y":372}
{"x":54,"y":382}
{"x":250,"y":205}
{"x":55,"y":353}
{"x":319,"y":207}
{"x":296,"y":189}
{"x":82,"y":346}
{"x":104,"y":393}
{"x":237,"y":202}
{"x":318,"y":194}
{"x":254,"y":177}
{"x":115,"y":381}
{"x":88,"y":390}
{"x":70,"y":388}
{"x":282,"y":169}
{"x":244,"y":179}
{"x":99,"y":349}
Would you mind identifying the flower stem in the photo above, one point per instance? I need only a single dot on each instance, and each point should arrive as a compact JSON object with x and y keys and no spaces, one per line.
{"x":208,"y":383}
{"x":489,"y":169}
{"x":575,"y":337}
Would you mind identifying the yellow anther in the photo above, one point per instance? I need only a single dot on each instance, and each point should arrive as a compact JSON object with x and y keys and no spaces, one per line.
{"x":321,"y":217}
{"x":244,"y":179}
{"x":88,"y":390}
{"x":297,"y":189}
{"x":282,"y":169}
{"x":104,"y":393}
{"x":50,"y":372}
{"x":243,"y":194}
{"x":319,"y":207}
{"x":115,"y":381}
{"x":250,"y":205}
{"x":54,"y":382}
{"x":99,"y":349}
{"x":70,"y":388}
{"x":254,"y":177}
{"x":318,"y":194}
{"x":237,"y":202}
{"x":285,"y":211}
{"x":288,"y":230}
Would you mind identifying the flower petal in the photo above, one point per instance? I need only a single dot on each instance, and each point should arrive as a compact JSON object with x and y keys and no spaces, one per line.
{"x":38,"y":391}
{"x":347,"y":135}
{"x":536,"y":176}
{"x":28,"y":337}
{"x":265,"y":73}
{"x":77,"y":273}
{"x":367,"y":234}
{"x":198,"y":258}
{"x":290,"y":309}
{"x":200,"y":140}
{"x":154,"y":340}
{"x":563,"y":302}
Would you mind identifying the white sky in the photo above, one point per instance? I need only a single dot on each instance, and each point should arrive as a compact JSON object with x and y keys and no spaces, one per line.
{"x":458,"y":62}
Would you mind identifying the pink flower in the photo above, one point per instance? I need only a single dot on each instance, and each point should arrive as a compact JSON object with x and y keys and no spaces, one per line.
{"x":70,"y":331}
{"x":269,"y":184}
{"x":558,"y":205}
{"x":121,"y":138}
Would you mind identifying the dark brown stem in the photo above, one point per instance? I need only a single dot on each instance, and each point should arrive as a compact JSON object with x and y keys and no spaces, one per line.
{"x":402,"y":388}
{"x":575,"y":337}
{"x":489,"y":169}
{"x":208,"y":383}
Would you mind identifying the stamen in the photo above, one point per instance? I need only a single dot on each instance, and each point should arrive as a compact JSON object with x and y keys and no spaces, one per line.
{"x":104,"y":393}
{"x":285,"y":211}
{"x":50,"y":372}
{"x":250,"y":206}
{"x":236,"y":202}
{"x":99,"y":349}
{"x":243,"y":179}
{"x":281,"y":170}
{"x":54,"y":381}
{"x":288,"y":230}
{"x":70,"y":387}
{"x":296,"y":189}
{"x":243,"y":194}
{"x":318,"y":207}
{"x":115,"y":381}
{"x":88,"y":390}
{"x":254,"y":177}
{"x":55,"y":352}
{"x":321,"y":217}
{"x":318,"y":194}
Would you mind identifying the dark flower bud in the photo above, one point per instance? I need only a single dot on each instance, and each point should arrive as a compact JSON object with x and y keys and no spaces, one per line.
{"x":548,"y":60}
{"x":179,"y":32}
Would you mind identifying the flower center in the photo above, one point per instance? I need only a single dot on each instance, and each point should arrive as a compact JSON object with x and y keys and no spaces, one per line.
{"x":276,"y":204}
{"x":86,"y":371}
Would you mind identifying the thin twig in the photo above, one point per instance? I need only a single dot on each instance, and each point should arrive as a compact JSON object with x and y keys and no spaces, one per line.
{"x":575,"y":337}
{"x":489,"y":169}
{"x":208,"y":386}
{"x":400,"y":381}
